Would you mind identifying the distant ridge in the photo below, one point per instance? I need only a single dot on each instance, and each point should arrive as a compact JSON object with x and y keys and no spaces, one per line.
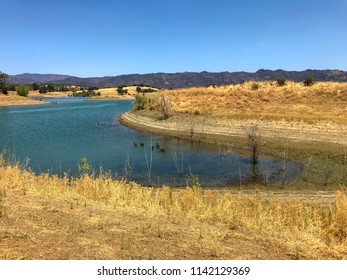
{"x":181,"y":80}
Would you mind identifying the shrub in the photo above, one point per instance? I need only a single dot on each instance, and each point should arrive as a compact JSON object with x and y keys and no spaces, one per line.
{"x":84,"y":167}
{"x":255,"y":86}
{"x":192,"y":180}
{"x":165,"y":106}
{"x":140,"y":102}
{"x":148,"y":90}
{"x":22,"y":90}
{"x":254,"y":142}
{"x":309,"y":81}
{"x":281,"y":82}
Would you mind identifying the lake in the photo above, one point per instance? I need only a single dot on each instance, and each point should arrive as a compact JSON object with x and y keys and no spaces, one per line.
{"x":54,"y":137}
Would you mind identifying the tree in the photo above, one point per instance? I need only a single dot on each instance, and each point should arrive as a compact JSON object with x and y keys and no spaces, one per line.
{"x":50,"y":88}
{"x":35,"y":86}
{"x":3,"y":79}
{"x":138,"y":89}
{"x":122,"y":91}
{"x":22,"y":90}
{"x":43,"y":89}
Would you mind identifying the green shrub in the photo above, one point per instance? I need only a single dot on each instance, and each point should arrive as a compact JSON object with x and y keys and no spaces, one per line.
{"x":309,"y":81}
{"x":281,"y":82}
{"x":192,"y":180}
{"x":140,"y":102}
{"x":255,"y":86}
{"x":22,"y":90}
{"x":84,"y":167}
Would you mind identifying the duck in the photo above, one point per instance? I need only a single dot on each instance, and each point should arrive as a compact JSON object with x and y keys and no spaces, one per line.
{"x":142,"y":144}
{"x":135,"y":144}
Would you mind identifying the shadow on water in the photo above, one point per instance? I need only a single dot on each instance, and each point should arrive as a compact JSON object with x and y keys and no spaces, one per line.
{"x":56,"y":136}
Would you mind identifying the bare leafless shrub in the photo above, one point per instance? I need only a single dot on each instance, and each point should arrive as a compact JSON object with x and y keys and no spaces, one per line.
{"x":165,"y":106}
{"x":254,"y":141}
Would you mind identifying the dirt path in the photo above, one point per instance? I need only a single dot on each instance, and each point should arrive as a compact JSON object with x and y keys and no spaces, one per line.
{"x":213,"y":128}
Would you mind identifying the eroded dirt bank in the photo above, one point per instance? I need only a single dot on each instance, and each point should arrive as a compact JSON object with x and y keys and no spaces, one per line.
{"x":219,"y":130}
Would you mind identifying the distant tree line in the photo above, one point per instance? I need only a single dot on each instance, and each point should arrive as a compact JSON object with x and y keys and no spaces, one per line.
{"x":85,"y":93}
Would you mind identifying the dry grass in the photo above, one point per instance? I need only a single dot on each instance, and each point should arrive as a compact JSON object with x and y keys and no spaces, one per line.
{"x":12,"y":99}
{"x":112,"y":92}
{"x":325,"y":101}
{"x":121,"y":220}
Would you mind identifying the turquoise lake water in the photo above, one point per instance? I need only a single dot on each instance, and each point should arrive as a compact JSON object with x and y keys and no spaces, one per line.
{"x":55,"y":137}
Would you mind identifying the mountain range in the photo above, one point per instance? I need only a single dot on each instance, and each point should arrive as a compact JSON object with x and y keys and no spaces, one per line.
{"x":180,"y":80}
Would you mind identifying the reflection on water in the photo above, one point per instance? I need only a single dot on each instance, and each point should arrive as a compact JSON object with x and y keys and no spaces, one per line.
{"x":55,"y":137}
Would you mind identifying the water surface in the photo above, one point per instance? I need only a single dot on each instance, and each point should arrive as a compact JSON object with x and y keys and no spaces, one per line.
{"x":54,"y":137}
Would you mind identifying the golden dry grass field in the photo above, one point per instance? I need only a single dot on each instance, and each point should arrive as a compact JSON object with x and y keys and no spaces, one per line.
{"x":47,"y":217}
{"x":12,"y":99}
{"x":323,"y":101}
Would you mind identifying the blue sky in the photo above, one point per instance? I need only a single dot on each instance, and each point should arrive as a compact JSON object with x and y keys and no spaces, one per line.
{"x":99,"y":38}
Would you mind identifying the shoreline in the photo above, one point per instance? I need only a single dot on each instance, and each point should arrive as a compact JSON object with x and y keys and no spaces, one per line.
{"x":217,"y":130}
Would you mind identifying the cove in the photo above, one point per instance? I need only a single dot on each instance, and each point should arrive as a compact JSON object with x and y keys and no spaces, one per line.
{"x":54,"y":137}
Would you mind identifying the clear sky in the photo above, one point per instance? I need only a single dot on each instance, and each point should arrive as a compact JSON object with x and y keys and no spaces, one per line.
{"x":112,"y":37}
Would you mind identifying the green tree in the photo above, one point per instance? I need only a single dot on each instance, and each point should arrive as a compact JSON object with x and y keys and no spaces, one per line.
{"x":3,"y":79}
{"x":138,"y":89}
{"x":22,"y":90}
{"x":50,"y":88}
{"x":35,"y":86}
{"x":43,"y":89}
{"x":122,"y":91}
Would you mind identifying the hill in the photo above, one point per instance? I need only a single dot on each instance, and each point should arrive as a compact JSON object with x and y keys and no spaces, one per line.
{"x":28,"y":78}
{"x":182,"y":80}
